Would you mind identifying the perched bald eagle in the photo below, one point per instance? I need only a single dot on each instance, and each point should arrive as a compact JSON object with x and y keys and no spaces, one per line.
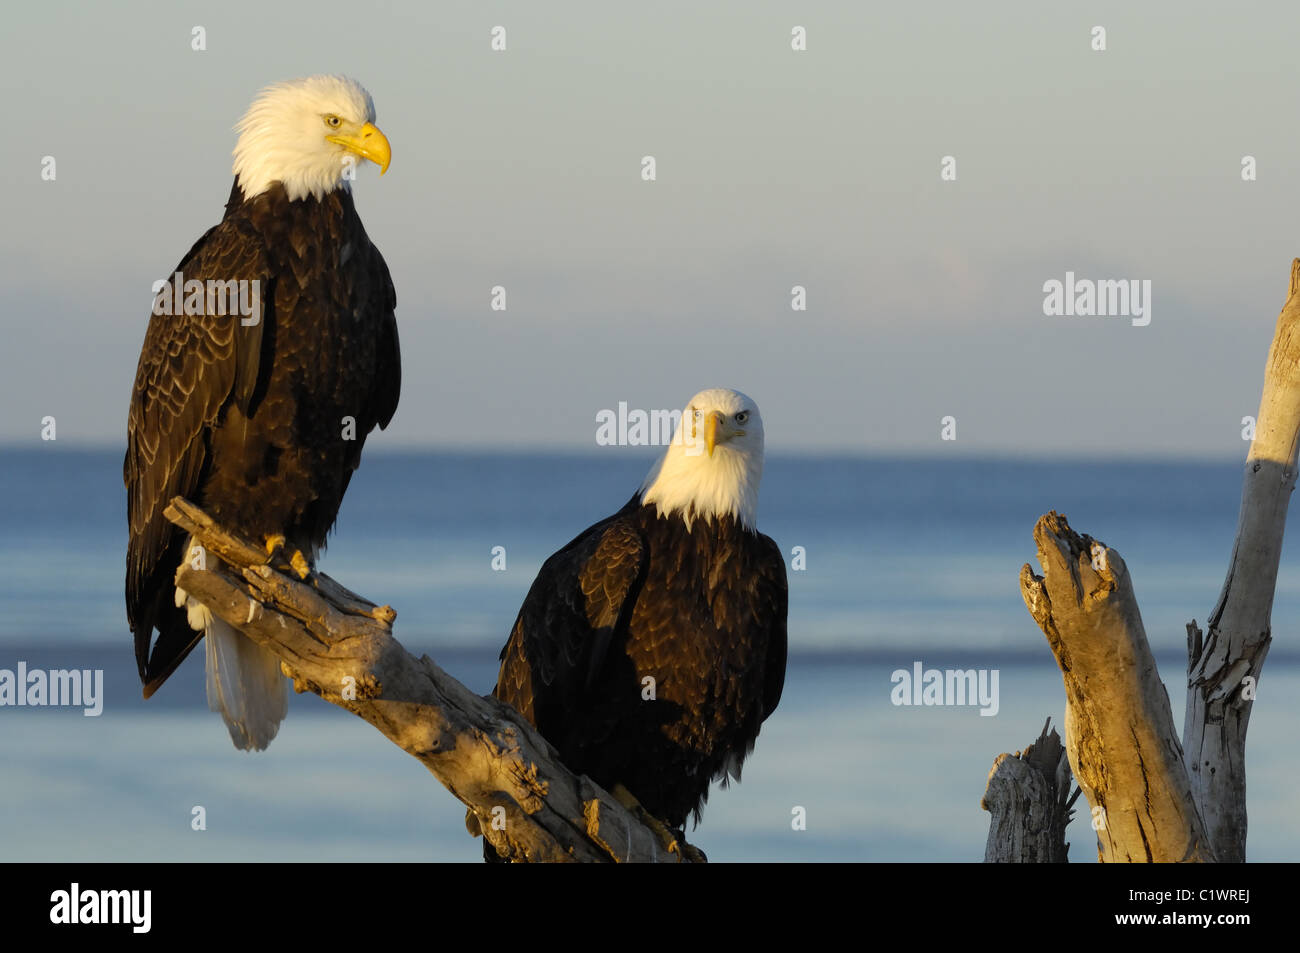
{"x":650,"y":648}
{"x":259,"y":413}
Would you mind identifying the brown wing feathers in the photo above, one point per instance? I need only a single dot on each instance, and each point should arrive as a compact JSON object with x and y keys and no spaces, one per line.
{"x":187,"y":371}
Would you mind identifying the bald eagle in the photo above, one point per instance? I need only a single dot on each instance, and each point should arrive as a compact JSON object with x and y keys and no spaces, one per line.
{"x":259,"y":413}
{"x":650,"y":648}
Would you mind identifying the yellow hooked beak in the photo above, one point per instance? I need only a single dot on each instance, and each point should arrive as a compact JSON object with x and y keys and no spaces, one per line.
{"x":367,"y":142}
{"x":711,"y":427}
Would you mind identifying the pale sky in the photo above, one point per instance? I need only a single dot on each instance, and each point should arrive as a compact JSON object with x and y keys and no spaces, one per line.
{"x":775,"y":168}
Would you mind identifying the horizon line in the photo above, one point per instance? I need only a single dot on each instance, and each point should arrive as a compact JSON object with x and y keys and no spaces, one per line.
{"x":998,"y":455}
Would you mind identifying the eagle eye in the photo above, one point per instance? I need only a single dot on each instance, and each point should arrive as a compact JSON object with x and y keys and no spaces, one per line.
{"x":742,"y":416}
{"x":333,"y":121}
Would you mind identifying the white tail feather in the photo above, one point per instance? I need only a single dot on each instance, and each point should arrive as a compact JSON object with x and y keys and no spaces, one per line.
{"x":245,"y":686}
{"x":244,"y":680}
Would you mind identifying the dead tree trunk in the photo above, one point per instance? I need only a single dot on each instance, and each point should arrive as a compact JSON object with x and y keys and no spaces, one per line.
{"x":1159,"y":800}
{"x":338,"y":645}
{"x":1224,"y":665}
{"x":1119,"y":730}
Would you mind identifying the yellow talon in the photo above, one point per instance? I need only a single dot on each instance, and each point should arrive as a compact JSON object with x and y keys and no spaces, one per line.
{"x":273,"y":543}
{"x":300,"y":565}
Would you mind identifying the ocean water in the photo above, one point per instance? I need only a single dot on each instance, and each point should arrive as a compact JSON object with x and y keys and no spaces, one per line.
{"x":907,"y":560}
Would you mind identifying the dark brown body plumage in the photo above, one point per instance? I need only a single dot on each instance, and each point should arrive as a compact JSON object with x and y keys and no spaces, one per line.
{"x":248,"y":421}
{"x":637,"y":596}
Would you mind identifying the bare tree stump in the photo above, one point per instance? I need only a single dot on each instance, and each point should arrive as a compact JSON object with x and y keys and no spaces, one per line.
{"x":1028,"y":794}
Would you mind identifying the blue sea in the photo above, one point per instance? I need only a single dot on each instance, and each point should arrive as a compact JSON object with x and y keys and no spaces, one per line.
{"x":905,"y":561}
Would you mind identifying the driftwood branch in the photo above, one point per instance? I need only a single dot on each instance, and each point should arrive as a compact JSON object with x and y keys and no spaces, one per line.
{"x":1028,"y":794}
{"x":340,"y":646}
{"x":1225,"y":663}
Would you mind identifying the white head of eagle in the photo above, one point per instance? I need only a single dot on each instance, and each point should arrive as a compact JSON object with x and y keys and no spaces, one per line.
{"x":307,"y":134}
{"x":714,"y":464}
{"x":677,"y":587}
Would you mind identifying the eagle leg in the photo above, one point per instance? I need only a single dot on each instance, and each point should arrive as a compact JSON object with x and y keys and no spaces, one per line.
{"x":673,"y":841}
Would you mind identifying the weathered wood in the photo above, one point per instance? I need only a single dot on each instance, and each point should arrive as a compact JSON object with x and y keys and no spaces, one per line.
{"x":338,"y":645}
{"x":1225,"y":663}
{"x":1118,"y":725}
{"x":240,"y":552}
{"x":1028,"y":794}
